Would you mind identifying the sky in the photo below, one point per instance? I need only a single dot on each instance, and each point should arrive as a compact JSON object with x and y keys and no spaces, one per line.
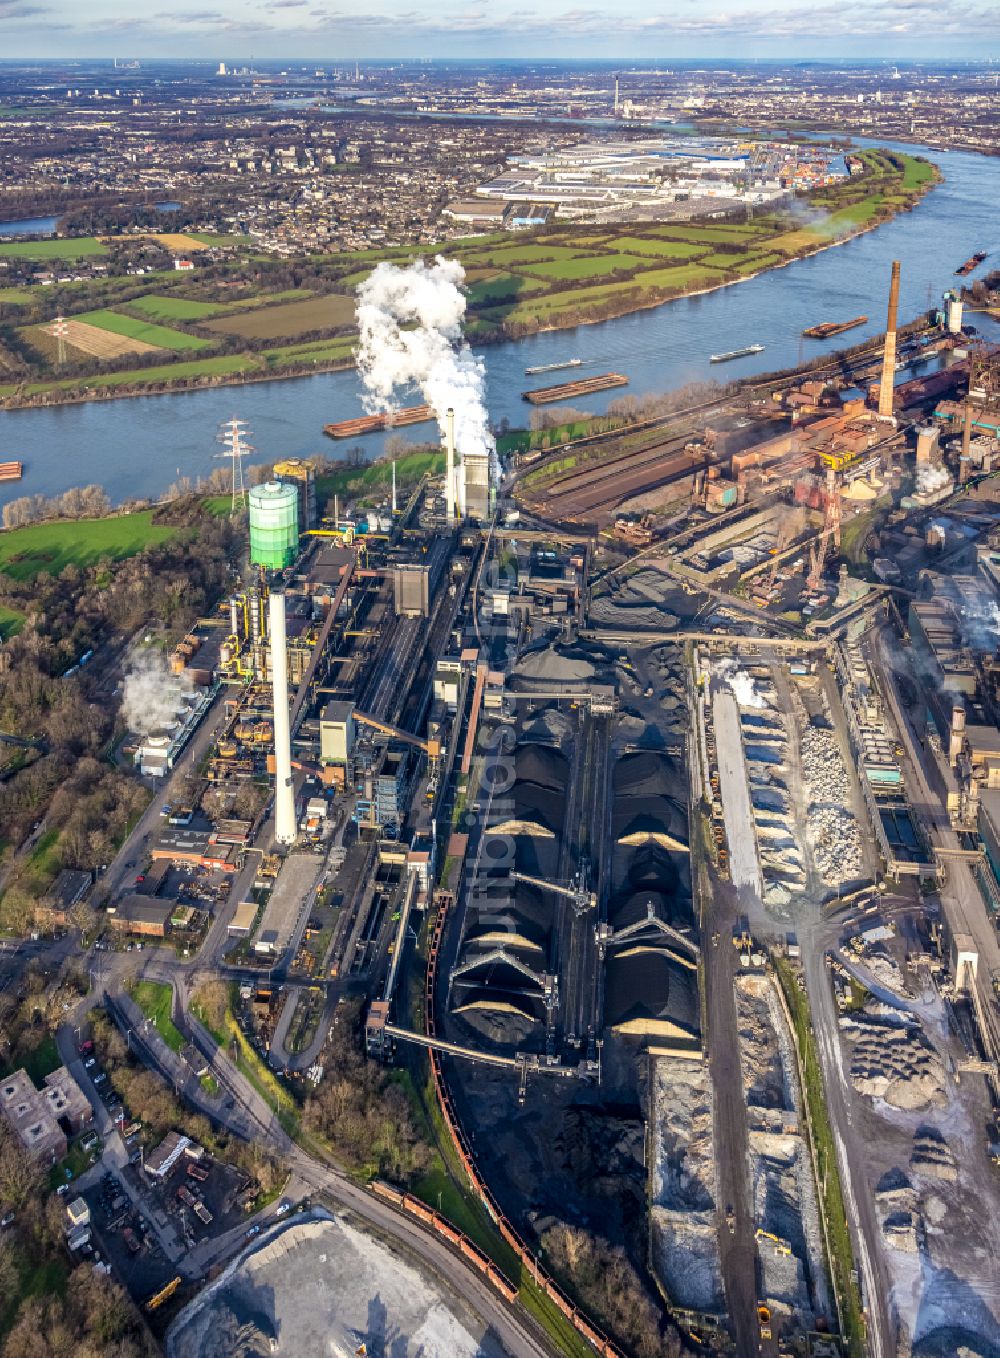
{"x":232,"y":30}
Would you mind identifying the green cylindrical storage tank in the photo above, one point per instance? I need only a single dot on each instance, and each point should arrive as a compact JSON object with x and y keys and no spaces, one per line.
{"x":274,"y":525}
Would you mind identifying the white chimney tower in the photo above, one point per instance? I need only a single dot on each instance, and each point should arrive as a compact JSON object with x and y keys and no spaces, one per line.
{"x":284,"y":792}
{"x":449,"y":469}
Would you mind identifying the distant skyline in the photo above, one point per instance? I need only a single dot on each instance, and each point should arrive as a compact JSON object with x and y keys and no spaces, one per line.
{"x":232,"y":30}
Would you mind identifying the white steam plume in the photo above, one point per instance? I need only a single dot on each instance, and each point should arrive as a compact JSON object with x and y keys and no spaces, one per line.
{"x":739,"y":683}
{"x":429,"y":353}
{"x":152,"y":696}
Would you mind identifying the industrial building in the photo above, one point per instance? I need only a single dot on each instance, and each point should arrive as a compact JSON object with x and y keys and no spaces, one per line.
{"x":146,"y":916}
{"x":411,"y":591}
{"x":301,"y":473}
{"x":337,"y":732}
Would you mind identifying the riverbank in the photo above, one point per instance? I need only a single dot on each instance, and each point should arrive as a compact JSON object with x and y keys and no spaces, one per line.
{"x":534,"y":284}
{"x":140,"y":448}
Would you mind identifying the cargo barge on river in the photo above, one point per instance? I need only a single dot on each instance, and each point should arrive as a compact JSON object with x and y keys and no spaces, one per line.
{"x":11,"y":471}
{"x":374,"y":424}
{"x":828,"y":328}
{"x":568,"y":391}
{"x":973,"y":262}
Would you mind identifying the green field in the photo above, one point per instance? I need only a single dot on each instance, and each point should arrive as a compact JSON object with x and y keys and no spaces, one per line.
{"x":588,"y":266}
{"x":377,"y":475}
{"x":318,"y":351}
{"x":156,"y":1002}
{"x":143,"y":331}
{"x":76,"y":248}
{"x":11,"y":622}
{"x":264,"y":299}
{"x":655,"y":245}
{"x":197,"y":368}
{"x":206,"y":238}
{"x":79,"y":542}
{"x":555,"y":277}
{"x":175,"y":308}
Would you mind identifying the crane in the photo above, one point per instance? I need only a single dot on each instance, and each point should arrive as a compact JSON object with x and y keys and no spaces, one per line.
{"x":785,"y":534}
{"x":830,"y":533}
{"x":577,"y":892}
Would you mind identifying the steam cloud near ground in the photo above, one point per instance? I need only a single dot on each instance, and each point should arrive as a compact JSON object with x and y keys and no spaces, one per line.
{"x":429,"y":353}
{"x":740,"y":684}
{"x":152,"y":695}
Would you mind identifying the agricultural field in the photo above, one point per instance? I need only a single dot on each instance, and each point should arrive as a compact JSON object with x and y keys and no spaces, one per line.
{"x":76,"y":248}
{"x":557,"y":277}
{"x":144,"y":332}
{"x":87,"y":339}
{"x":162,"y":308}
{"x":595,"y":266}
{"x":178,"y":242}
{"x":293,"y":318}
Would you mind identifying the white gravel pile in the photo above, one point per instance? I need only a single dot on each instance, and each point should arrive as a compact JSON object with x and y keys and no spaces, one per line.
{"x":834,"y":832}
{"x":322,"y":1288}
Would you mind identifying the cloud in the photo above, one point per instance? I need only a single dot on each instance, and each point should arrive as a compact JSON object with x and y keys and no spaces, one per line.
{"x":20,"y":9}
{"x":552,"y":29}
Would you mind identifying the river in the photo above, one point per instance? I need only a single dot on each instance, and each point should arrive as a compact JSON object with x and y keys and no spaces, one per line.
{"x":138,"y":446}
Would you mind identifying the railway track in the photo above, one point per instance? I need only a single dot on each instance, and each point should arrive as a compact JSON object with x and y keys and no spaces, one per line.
{"x":850,"y":366}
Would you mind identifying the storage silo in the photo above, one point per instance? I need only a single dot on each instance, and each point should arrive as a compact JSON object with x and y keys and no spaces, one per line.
{"x":274,"y":525}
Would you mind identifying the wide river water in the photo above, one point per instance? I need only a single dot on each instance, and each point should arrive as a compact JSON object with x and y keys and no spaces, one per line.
{"x":137,"y":446}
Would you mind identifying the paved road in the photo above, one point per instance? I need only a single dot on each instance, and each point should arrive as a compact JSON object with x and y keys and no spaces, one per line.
{"x":515,"y":1330}
{"x":133,"y":852}
{"x":738,"y":1250}
{"x":858,"y":1200}
{"x":961,"y":898}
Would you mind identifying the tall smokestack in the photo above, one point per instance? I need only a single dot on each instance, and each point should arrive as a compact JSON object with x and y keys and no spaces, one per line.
{"x":885,"y":391}
{"x":449,"y":468}
{"x":393,"y":487}
{"x":284,"y":793}
{"x":616,"y":96}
